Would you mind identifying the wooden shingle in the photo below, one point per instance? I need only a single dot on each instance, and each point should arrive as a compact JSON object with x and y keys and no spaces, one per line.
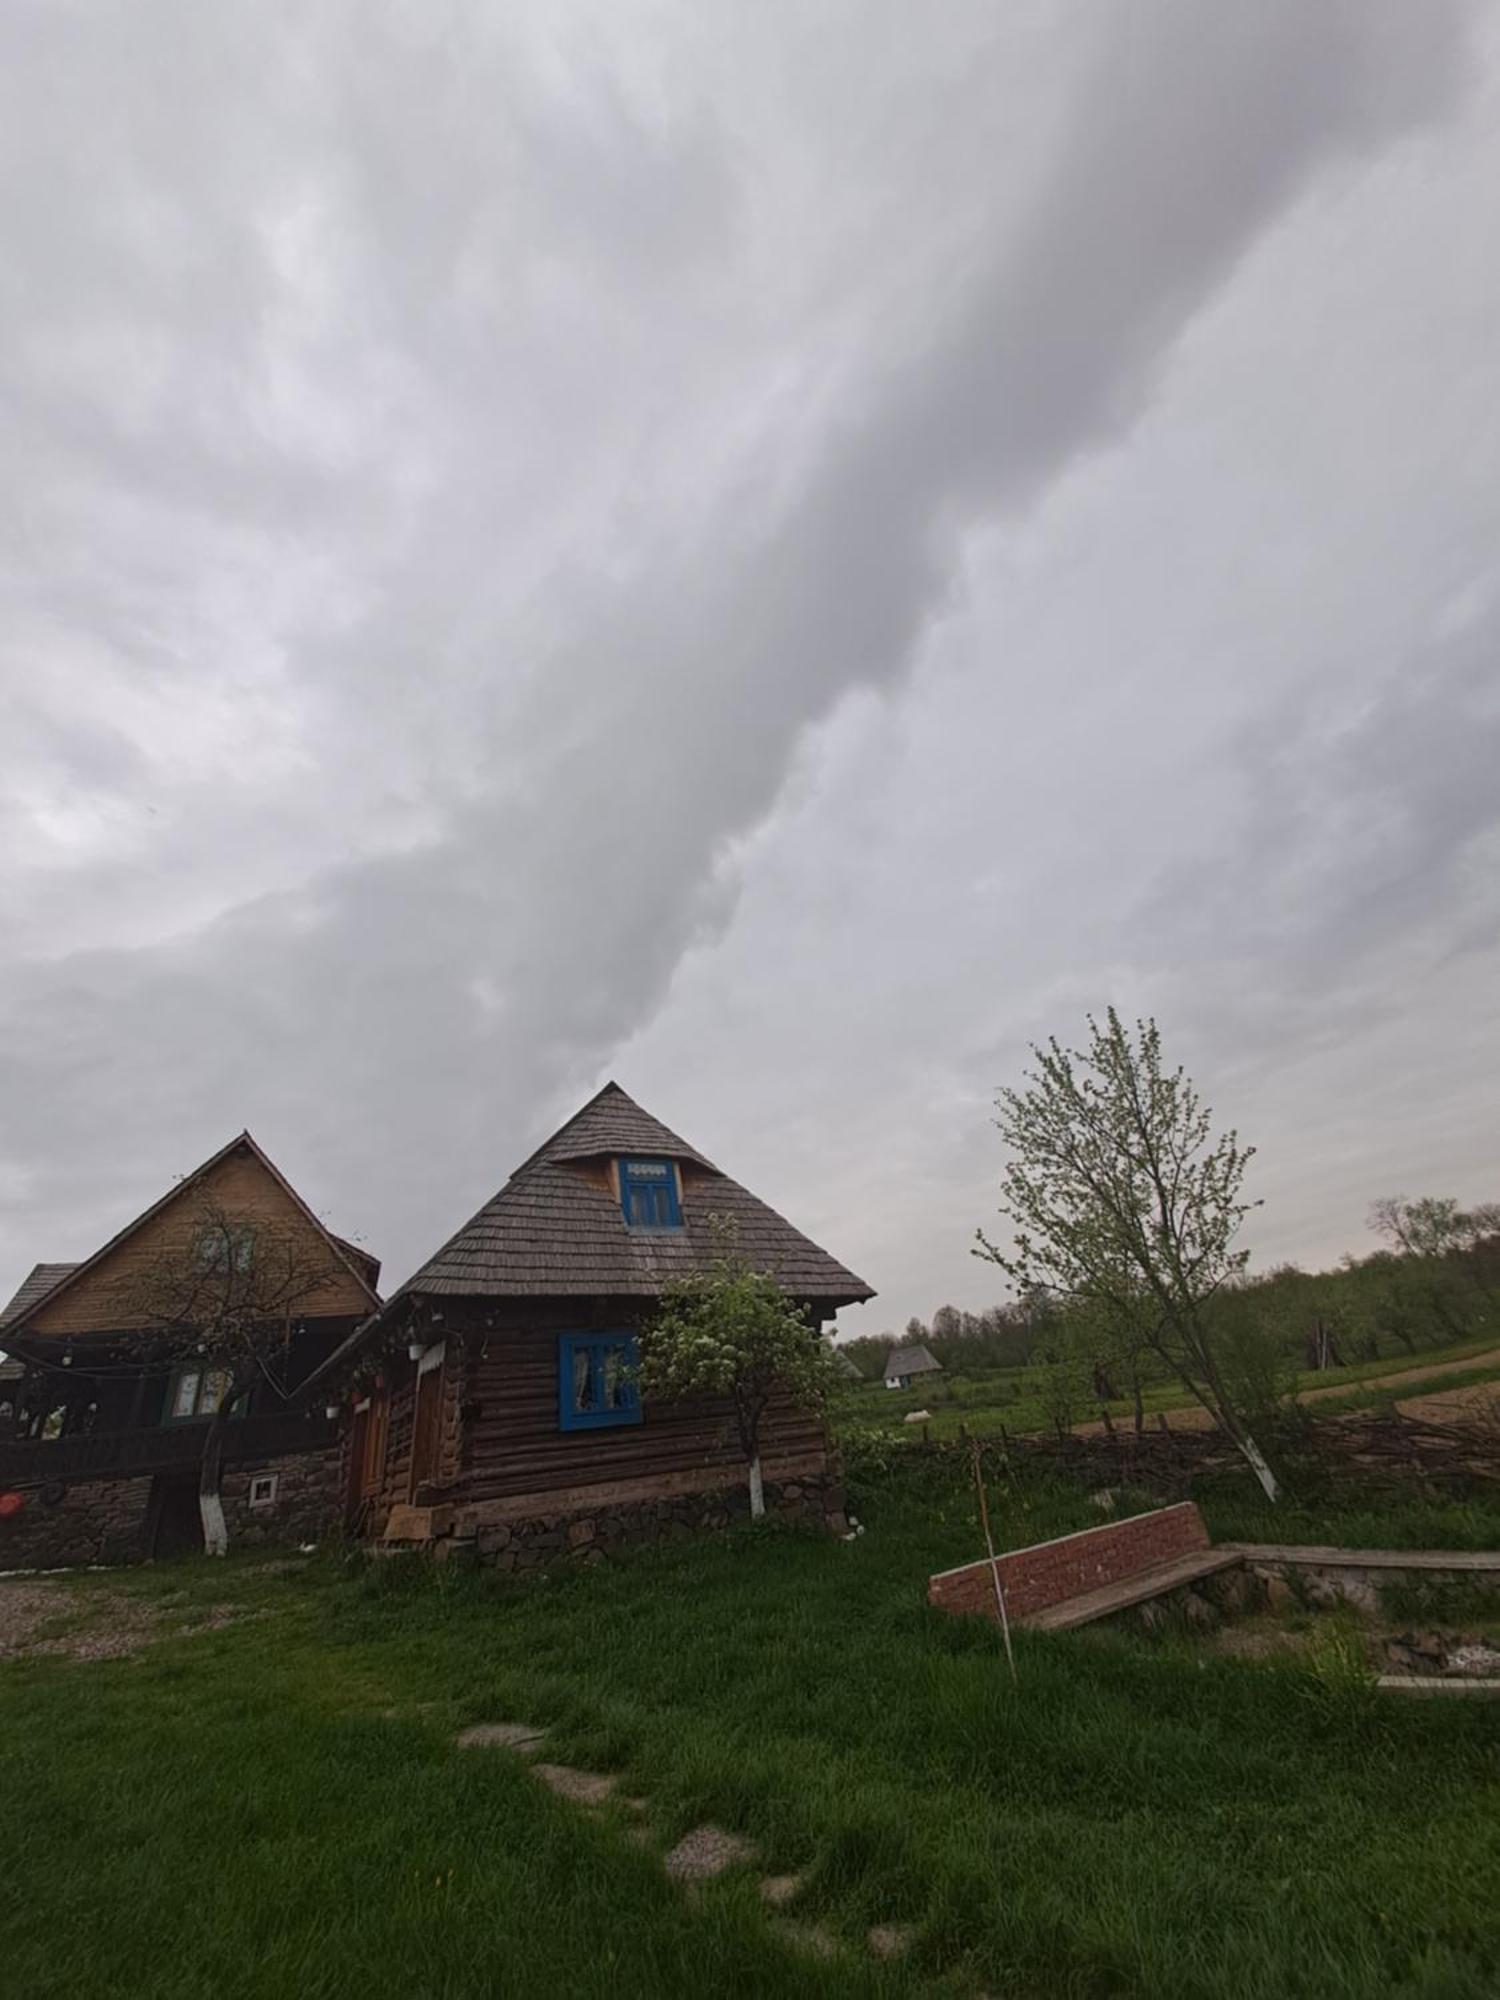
{"x":556,"y":1229}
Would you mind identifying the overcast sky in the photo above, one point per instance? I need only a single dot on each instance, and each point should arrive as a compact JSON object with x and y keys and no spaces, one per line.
{"x":776,"y":553}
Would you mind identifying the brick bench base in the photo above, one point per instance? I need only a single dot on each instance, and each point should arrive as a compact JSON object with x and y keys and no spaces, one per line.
{"x":1052,"y":1572}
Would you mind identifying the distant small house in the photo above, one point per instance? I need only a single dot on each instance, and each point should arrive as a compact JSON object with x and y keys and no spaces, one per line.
{"x":908,"y":1362}
{"x":497,"y":1403}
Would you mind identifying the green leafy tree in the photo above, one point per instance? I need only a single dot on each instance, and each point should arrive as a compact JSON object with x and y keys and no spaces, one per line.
{"x":1436,"y":1279}
{"x":1123,"y":1201}
{"x":731,"y":1331}
{"x":1432,"y":1225}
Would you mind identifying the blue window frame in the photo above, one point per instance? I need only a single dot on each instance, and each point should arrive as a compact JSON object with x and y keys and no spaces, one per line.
{"x":596,"y":1380}
{"x":648,"y":1194}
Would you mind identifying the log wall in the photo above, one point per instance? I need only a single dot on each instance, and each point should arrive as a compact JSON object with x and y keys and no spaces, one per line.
{"x":514,"y":1449}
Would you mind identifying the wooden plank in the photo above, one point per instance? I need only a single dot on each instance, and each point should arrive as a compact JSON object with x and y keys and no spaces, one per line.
{"x":240,"y":1184}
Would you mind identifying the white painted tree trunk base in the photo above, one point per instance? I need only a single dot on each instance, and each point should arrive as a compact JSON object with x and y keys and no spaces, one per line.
{"x":757,"y":1491}
{"x":1261,"y":1470}
{"x":215,"y":1527}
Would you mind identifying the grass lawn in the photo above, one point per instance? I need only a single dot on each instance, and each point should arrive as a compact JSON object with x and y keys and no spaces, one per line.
{"x":1016,"y":1398}
{"x":276,"y":1807}
{"x":1373,"y":1396}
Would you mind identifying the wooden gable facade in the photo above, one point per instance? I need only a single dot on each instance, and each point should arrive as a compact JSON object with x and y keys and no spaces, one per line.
{"x":100,"y":1437}
{"x":482,"y":1400}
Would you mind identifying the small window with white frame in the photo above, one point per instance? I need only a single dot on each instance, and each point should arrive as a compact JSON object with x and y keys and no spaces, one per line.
{"x":263,"y":1490}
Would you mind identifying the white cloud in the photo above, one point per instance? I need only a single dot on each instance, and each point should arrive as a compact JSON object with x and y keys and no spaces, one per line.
{"x":755,"y":554}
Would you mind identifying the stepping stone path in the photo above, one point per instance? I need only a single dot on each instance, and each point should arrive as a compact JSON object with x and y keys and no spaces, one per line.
{"x":888,"y":1940}
{"x":706,"y":1852}
{"x":779,"y":1890}
{"x":584,"y":1788}
{"x":816,"y":1938}
{"x":700,"y":1856}
{"x":503,"y":1736}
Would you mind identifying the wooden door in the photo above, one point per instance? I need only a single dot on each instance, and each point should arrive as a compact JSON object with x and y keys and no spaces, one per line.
{"x":176,"y":1519}
{"x":427,"y":1429}
{"x":367,"y":1439}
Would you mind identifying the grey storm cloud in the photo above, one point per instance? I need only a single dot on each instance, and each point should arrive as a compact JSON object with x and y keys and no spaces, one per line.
{"x":1356,"y":821}
{"x":413,"y":427}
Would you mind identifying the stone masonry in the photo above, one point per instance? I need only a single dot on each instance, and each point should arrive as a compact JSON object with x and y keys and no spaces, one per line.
{"x":95,"y":1521}
{"x":108,"y":1520}
{"x":527,"y":1543}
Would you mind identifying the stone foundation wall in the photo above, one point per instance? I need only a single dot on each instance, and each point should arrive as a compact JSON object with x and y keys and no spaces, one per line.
{"x":307,"y":1505}
{"x":593,"y":1536}
{"x":95,"y":1521}
{"x":108,"y":1520}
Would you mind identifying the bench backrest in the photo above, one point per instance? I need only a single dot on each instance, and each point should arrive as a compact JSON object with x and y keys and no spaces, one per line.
{"x":1050,"y":1572}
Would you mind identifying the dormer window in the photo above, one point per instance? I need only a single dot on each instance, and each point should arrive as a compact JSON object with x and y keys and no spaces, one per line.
{"x":648,"y":1194}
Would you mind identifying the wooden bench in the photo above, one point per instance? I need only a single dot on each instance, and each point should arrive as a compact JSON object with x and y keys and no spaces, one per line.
{"x":1091,"y":1574}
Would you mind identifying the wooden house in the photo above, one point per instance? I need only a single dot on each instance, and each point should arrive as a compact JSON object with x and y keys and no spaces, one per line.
{"x":904,"y":1364}
{"x":103,"y":1419}
{"x":495,"y":1401}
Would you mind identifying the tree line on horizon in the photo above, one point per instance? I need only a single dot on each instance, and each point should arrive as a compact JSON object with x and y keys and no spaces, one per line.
{"x":1434,"y":1281}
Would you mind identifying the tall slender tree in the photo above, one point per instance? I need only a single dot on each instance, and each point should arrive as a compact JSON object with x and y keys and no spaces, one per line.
{"x":1122,"y":1199}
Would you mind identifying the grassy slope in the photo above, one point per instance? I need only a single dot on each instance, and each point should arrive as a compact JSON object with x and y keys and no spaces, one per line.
{"x":276,"y":1808}
{"x":1014,"y":1396}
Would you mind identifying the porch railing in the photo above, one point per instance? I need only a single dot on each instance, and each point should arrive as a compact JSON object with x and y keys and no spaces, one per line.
{"x":167,"y":1448}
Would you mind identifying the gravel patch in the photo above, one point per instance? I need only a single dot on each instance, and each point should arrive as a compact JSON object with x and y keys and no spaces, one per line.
{"x":27,"y":1609}
{"x":118,"y":1626}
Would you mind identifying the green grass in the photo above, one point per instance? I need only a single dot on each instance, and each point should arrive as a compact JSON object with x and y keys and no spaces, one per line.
{"x":1373,"y":1397}
{"x":277,"y":1807}
{"x":1015,"y":1397}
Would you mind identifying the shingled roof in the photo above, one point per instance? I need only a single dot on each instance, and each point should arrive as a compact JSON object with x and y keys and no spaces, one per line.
{"x":33,"y":1288}
{"x":553,"y":1232}
{"x":910,"y":1360}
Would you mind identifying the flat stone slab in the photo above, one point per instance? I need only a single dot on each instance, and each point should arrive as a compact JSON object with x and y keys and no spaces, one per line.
{"x":584,"y":1788}
{"x":814,"y":1938}
{"x":779,"y":1890}
{"x":520,"y":1736}
{"x":888,"y":1940}
{"x":1433,"y":1684}
{"x":706,"y":1852}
